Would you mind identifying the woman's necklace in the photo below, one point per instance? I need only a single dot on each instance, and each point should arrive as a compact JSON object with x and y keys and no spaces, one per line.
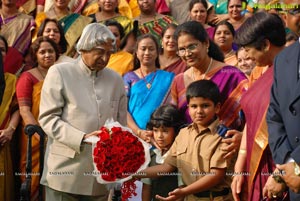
{"x":207,"y":70}
{"x":148,"y":84}
{"x":229,"y":53}
{"x":43,"y":75}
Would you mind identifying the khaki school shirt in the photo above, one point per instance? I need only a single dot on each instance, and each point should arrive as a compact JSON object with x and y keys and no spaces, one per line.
{"x":196,"y":152}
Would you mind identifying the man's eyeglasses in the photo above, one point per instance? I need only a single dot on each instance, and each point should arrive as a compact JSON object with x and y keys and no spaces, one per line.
{"x":295,"y":12}
{"x":181,"y":52}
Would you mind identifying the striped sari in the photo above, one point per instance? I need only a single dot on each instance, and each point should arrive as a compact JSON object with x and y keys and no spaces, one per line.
{"x":155,"y":27}
{"x":17,"y":31}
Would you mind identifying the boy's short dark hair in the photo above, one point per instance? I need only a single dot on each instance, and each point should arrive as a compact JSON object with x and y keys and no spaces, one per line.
{"x":203,"y":89}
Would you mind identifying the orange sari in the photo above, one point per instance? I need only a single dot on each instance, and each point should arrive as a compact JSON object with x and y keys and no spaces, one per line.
{"x":231,"y":58}
{"x":35,"y":144}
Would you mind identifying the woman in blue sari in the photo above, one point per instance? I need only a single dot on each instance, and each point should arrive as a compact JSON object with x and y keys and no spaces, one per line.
{"x":147,"y":86}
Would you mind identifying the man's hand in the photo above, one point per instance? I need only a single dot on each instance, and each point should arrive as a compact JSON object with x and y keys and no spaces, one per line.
{"x":94,"y":133}
{"x":288,"y":175}
{"x":272,"y":188}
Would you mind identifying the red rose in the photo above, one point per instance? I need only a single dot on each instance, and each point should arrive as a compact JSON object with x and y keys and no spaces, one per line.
{"x":117,"y":155}
{"x":104,"y":136}
{"x":116,"y":129}
{"x":116,"y":140}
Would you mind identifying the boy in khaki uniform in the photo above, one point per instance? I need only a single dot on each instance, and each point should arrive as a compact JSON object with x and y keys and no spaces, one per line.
{"x":196,"y":151}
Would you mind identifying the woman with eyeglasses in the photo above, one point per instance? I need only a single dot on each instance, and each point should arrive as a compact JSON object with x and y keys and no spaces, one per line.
{"x":291,"y":18}
{"x":262,"y":36}
{"x":205,"y":61}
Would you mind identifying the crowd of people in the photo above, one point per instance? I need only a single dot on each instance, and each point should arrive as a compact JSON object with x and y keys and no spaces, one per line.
{"x":211,"y":85}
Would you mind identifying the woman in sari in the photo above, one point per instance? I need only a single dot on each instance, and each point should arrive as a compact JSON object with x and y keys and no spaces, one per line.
{"x":235,"y":8}
{"x":205,"y":61}
{"x":147,"y":86}
{"x":120,"y":61}
{"x":168,"y":58}
{"x":223,"y":37}
{"x":52,"y":29}
{"x":13,"y":62}
{"x":45,"y":52}
{"x":262,"y":37}
{"x":150,"y":21}
{"x":9,"y":119}
{"x":72,"y":23}
{"x":199,"y":12}
{"x":16,"y":27}
{"x":108,"y":10}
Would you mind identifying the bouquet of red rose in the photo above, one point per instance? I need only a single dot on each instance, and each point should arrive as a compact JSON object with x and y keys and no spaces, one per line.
{"x":117,"y":155}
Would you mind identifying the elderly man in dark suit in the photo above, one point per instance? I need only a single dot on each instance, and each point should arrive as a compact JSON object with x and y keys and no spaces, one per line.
{"x":283,"y":117}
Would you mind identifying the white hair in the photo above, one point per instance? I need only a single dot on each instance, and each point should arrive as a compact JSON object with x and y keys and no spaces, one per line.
{"x":93,"y":35}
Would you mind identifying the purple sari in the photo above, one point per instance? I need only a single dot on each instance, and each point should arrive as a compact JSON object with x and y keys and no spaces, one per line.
{"x":227,"y":78}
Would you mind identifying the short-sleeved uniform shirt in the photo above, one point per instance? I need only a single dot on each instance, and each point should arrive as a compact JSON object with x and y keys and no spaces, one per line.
{"x":195,"y":152}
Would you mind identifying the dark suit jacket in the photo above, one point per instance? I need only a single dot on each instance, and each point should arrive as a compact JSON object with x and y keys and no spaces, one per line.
{"x":283,"y":115}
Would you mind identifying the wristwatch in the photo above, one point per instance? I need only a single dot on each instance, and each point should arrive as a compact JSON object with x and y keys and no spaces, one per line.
{"x":296,"y":169}
{"x":278,"y":179}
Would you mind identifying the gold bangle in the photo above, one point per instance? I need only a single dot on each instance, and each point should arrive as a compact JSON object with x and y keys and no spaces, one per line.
{"x":12,"y":127}
{"x":139,"y":132}
{"x":242,"y":151}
